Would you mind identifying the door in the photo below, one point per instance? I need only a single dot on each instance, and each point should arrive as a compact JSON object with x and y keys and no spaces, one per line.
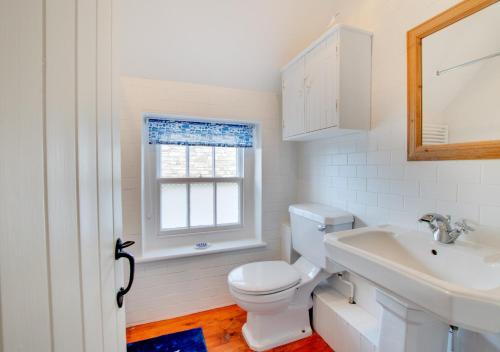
{"x":321,"y":85}
{"x":315,"y":88}
{"x":59,"y":178}
{"x":293,"y":100}
{"x":332,"y":81}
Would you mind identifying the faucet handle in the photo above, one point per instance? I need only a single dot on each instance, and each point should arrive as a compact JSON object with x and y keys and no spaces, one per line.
{"x":462,"y":226}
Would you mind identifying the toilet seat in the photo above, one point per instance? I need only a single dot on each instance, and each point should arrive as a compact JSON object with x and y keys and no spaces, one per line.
{"x":263,"y":278}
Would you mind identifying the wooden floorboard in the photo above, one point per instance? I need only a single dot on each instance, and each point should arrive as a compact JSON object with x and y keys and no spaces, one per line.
{"x":222,"y":331}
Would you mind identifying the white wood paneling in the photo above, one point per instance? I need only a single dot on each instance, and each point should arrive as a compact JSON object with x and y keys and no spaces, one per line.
{"x":58,"y":213}
{"x":337,"y":86}
{"x":87,"y":171}
{"x":117,"y":184}
{"x":105,"y":174}
{"x":332,"y":85}
{"x":24,"y":292}
{"x":293,"y":100}
{"x":315,"y":87}
{"x":62,"y":197}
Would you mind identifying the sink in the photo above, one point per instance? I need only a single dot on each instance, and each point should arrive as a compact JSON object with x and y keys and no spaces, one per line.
{"x":459,"y":283}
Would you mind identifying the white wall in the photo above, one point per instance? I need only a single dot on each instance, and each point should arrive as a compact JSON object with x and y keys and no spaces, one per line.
{"x":229,"y":43}
{"x":473,"y":114}
{"x":368,"y":174}
{"x":176,"y":287}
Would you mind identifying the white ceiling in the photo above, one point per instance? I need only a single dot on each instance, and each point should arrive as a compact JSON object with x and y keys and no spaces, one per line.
{"x":231,"y":43}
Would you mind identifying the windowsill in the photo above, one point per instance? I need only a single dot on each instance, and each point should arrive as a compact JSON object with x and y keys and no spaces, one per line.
{"x":189,"y":251}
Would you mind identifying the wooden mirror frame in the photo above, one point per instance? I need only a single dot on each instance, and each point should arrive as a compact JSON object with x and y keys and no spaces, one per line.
{"x":453,"y":151}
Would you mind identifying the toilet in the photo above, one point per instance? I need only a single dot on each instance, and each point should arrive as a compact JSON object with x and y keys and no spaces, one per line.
{"x":277,"y":295}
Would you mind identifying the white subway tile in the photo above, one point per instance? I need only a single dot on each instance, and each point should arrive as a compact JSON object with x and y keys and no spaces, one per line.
{"x":367,"y":198}
{"x":479,"y":194}
{"x":356,"y":209}
{"x":419,"y":205}
{"x":378,"y":158}
{"x":357,"y":158}
{"x":393,"y":172}
{"x":339,"y":182}
{"x":339,"y":159}
{"x":331,"y":170}
{"x":390,"y":201}
{"x":366,"y":171}
{"x":489,"y":216}
{"x":421,"y":171}
{"x":405,"y":188}
{"x":438,"y":191}
{"x":339,"y":194}
{"x":398,"y":157}
{"x":377,"y":216}
{"x":357,"y":183}
{"x":459,"y":172}
{"x":378,"y":185}
{"x":403,"y":219}
{"x":491,"y":172}
{"x":469,"y":211}
{"x":348,"y":171}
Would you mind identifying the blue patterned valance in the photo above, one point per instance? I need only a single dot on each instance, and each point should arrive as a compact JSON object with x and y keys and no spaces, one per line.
{"x":214,"y":134}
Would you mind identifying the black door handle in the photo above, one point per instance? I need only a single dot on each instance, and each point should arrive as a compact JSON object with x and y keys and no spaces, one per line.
{"x":119,"y":253}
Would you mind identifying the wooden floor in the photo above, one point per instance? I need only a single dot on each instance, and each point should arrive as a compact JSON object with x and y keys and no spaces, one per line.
{"x":222,"y":331}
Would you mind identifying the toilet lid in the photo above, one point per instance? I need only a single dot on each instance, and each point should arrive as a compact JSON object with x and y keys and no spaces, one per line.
{"x":262,"y":278}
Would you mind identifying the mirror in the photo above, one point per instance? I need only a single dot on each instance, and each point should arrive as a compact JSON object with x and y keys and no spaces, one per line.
{"x":454,"y":84}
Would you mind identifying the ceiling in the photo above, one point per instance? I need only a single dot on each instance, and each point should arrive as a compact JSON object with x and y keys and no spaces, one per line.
{"x":231,"y":43}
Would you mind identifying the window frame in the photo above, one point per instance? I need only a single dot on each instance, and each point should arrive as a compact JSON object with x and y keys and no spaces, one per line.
{"x":195,"y":230}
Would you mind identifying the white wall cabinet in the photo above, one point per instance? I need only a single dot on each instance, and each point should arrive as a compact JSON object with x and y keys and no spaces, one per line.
{"x":326,"y":89}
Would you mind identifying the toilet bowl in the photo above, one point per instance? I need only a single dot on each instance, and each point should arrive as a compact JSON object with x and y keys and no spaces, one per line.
{"x":277,"y":295}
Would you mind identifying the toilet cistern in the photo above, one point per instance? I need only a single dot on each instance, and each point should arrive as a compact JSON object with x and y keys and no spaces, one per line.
{"x":442,"y":229}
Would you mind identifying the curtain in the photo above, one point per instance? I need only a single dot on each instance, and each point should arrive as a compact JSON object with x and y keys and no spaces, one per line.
{"x":203,"y":133}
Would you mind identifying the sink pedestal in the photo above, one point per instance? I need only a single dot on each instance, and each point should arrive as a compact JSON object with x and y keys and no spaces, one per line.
{"x":405,"y":327}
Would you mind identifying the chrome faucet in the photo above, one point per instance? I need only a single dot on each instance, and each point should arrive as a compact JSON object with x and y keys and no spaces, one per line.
{"x":441,"y":228}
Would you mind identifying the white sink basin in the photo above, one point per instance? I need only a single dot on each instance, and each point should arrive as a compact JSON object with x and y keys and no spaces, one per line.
{"x":460,"y":283}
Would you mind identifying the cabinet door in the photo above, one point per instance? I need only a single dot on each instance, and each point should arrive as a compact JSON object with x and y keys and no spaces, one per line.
{"x":332,"y":81}
{"x":315,"y":88}
{"x":293,"y":100}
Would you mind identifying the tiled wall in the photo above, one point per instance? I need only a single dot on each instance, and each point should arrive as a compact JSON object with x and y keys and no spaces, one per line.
{"x":375,"y":182}
{"x":175,"y":287}
{"x":368,"y":174}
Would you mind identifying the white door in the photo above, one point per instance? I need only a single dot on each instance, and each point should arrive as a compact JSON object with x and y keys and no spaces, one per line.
{"x":332,"y":81}
{"x":293,"y":100}
{"x":59,"y":178}
{"x":315,"y":88}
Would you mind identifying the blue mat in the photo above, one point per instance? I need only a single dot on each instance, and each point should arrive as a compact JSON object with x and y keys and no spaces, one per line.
{"x":184,"y":341}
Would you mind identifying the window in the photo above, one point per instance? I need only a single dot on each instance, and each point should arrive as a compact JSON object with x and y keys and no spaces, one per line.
{"x":201,"y":188}
{"x":198,"y":179}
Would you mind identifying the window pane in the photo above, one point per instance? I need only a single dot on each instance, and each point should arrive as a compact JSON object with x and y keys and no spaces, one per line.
{"x":228,"y":203}
{"x":173,"y":161}
{"x":173,"y":206}
{"x":202,"y":204}
{"x":200,"y":162}
{"x":226,"y":162}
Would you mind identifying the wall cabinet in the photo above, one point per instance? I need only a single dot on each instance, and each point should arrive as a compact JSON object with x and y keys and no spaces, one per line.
{"x":326,"y":89}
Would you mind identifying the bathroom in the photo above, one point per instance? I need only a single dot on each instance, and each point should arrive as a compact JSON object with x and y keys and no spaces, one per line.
{"x":90,"y":83}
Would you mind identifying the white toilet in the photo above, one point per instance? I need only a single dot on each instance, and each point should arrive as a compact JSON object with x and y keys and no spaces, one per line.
{"x":277,"y":295}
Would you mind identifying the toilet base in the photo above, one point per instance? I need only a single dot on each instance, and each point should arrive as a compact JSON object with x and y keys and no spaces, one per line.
{"x":265,"y":331}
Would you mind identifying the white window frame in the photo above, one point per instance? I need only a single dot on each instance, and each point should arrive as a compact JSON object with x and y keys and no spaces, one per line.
{"x":193,"y":230}
{"x":156,"y":246}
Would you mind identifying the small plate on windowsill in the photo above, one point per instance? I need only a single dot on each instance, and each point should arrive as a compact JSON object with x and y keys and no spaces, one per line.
{"x":201,"y":245}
